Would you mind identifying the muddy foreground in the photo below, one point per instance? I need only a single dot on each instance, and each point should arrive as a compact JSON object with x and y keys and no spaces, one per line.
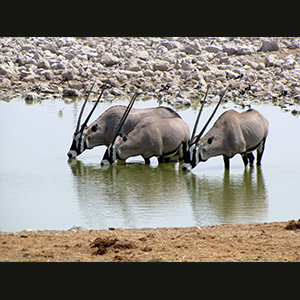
{"x":278,"y":241}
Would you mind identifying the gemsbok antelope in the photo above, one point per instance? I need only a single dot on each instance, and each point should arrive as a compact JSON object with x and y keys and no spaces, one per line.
{"x":233,"y":133}
{"x":151,"y":136}
{"x":102,"y":130}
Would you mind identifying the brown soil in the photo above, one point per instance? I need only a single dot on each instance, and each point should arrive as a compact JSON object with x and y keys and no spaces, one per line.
{"x":278,"y":241}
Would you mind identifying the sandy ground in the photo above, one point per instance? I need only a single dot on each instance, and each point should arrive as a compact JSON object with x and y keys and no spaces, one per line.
{"x":278,"y":241}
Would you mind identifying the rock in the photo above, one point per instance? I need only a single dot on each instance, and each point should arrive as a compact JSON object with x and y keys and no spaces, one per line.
{"x":3,"y":71}
{"x":244,"y":50}
{"x":43,"y":64}
{"x":144,"y":55}
{"x":160,"y":65}
{"x":134,"y":67}
{"x":69,"y":74}
{"x":230,"y":48}
{"x":260,"y":66}
{"x":31,"y":96}
{"x":269,"y":46}
{"x":271,"y":61}
{"x":186,"y":66}
{"x":148,"y":73}
{"x":5,"y":83}
{"x":109,"y":60}
{"x":24,"y":74}
{"x":27,"y":48}
{"x":48,"y":74}
{"x":213,"y":49}
{"x":52,"y":47}
{"x":70,"y":93}
{"x":231,"y":74}
{"x":167,"y":44}
{"x":78,"y":228}
{"x":189,"y":50}
{"x":76,"y":85}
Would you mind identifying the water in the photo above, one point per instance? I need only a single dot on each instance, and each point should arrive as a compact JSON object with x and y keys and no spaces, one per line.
{"x":40,"y":189}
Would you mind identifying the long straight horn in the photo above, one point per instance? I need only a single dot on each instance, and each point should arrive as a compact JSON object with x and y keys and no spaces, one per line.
{"x":82,"y":108}
{"x":124,"y":117}
{"x":212,"y":115}
{"x":105,"y":86}
{"x":198,"y":117}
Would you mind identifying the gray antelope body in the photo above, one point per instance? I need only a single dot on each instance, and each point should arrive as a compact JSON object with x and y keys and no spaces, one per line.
{"x":152,"y":136}
{"x":233,"y":133}
{"x":101,"y":131}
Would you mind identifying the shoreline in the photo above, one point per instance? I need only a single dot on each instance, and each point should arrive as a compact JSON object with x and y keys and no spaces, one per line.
{"x":275,"y":241}
{"x":254,"y":69}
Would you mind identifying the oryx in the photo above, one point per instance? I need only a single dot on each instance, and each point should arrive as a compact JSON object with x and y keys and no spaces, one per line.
{"x":101,"y":131}
{"x":151,"y":136}
{"x":233,"y":133}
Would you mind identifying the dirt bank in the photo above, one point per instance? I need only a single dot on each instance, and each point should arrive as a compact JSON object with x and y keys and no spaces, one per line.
{"x":243,"y":242}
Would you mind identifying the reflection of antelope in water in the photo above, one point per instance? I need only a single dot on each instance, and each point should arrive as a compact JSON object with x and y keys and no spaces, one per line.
{"x":233,"y":133}
{"x":228,"y":198}
{"x":101,"y":131}
{"x":124,"y":195}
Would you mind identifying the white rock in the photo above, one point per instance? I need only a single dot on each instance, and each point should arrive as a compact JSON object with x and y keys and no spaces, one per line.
{"x":213,"y":49}
{"x":109,"y":60}
{"x":31,"y":96}
{"x":244,"y":50}
{"x":144,"y":55}
{"x":134,"y":67}
{"x":269,"y":45}
{"x":48,"y":74}
{"x":27,"y":48}
{"x":260,"y":66}
{"x":43,"y":64}
{"x":160,"y":65}
{"x":230,"y":48}
{"x":186,"y":66}
{"x":69,"y":73}
{"x":231,"y":74}
{"x":77,"y":228}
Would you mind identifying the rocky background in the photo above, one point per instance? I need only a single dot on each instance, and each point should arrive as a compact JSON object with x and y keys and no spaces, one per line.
{"x":174,"y":69}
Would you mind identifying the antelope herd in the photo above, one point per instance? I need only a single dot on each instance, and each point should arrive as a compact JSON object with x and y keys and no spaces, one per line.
{"x":160,"y":132}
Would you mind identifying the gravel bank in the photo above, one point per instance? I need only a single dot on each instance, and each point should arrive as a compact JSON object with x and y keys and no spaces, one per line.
{"x":256,"y":69}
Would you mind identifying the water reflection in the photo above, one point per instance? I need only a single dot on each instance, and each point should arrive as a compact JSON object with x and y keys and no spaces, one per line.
{"x":228,"y":199}
{"x":128,"y":195}
{"x":136,"y":195}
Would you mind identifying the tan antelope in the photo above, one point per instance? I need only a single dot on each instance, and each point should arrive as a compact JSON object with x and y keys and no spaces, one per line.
{"x":152,"y":136}
{"x":233,"y":133}
{"x":102,"y":130}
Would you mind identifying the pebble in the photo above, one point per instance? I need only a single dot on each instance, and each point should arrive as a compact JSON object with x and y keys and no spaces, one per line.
{"x":66,"y":66}
{"x":78,"y":228}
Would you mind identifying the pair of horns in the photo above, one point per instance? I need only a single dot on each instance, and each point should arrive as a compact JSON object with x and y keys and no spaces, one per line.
{"x":124,"y":117}
{"x":208,"y":121}
{"x":105,"y":86}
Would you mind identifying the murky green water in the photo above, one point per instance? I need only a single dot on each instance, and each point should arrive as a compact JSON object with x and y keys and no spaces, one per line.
{"x":40,"y":189}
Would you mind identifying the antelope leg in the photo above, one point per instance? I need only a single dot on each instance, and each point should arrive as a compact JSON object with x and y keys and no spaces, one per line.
{"x":147,"y":160}
{"x":226,"y":162}
{"x":251,"y":158}
{"x":245,"y":159}
{"x":260,"y":151}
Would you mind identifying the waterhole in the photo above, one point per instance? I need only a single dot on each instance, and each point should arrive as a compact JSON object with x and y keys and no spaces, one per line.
{"x":40,"y":189}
